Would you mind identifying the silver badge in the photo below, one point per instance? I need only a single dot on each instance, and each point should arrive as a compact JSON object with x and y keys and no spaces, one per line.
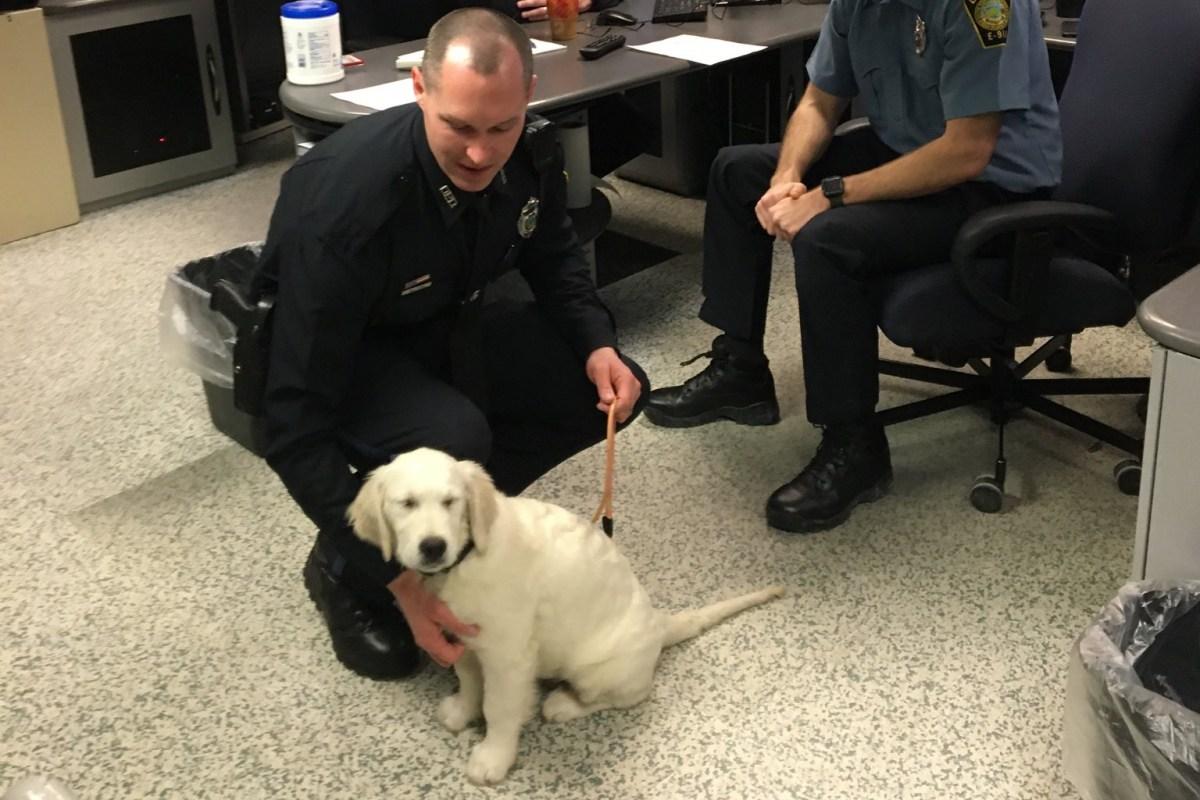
{"x":527,"y":222}
{"x":919,"y":36}
{"x":448,"y":196}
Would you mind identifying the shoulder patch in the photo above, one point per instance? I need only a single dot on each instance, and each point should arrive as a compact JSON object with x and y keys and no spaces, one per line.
{"x":990,"y":19}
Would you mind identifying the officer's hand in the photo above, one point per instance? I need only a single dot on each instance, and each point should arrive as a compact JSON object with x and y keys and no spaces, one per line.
{"x":429,"y":618}
{"x":614,"y":381}
{"x":777,"y":192}
{"x":532,"y":10}
{"x":791,"y":214}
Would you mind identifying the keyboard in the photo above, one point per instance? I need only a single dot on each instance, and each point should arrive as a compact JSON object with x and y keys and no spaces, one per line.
{"x":747,"y":2}
{"x":680,"y":10}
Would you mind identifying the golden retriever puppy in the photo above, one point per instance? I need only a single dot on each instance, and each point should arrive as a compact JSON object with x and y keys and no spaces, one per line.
{"x":552,"y":595}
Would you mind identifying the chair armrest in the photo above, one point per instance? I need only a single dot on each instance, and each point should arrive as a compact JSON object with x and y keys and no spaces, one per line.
{"x":1027,"y":215}
{"x":1032,"y":224}
{"x":852,"y":125}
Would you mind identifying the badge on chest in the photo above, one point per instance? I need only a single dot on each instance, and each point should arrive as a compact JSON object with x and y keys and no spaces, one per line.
{"x":528,"y":220}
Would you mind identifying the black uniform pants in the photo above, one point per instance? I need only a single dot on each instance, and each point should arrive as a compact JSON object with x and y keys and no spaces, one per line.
{"x":840,"y":255}
{"x":541,"y":405}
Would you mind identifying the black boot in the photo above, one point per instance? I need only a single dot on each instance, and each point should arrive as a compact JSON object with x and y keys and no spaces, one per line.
{"x":852,"y":466}
{"x":369,"y":633}
{"x":730,"y":387}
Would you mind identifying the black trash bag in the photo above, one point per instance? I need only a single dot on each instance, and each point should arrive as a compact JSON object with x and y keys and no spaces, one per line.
{"x":1171,"y":664}
{"x":1131,"y":728}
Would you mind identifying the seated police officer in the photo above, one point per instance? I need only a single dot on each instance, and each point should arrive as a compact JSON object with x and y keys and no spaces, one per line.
{"x":382,"y":241}
{"x":962,"y":116}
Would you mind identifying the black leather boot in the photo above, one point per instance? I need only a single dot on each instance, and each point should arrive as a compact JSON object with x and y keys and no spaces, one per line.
{"x":730,"y":387}
{"x":852,"y":465}
{"x":368,"y":632}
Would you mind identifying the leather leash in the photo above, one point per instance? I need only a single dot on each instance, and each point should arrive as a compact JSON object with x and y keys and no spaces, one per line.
{"x":604,"y":514}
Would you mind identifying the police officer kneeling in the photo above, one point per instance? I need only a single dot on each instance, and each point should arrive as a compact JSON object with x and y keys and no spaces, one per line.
{"x":381,"y":245}
{"x":963,"y":117}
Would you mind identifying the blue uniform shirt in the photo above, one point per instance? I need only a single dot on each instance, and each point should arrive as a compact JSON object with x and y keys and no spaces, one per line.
{"x":917,"y":63}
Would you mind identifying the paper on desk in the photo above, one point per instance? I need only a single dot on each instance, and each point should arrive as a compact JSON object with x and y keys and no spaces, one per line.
{"x":699,"y":49}
{"x":539,"y":47}
{"x":380,"y":96}
{"x":398,"y":93}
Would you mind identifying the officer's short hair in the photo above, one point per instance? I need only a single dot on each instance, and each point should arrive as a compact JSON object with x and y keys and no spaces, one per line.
{"x":486,"y":32}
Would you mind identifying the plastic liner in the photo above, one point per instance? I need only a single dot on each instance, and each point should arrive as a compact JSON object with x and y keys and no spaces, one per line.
{"x":1123,"y":738}
{"x":191,"y":334}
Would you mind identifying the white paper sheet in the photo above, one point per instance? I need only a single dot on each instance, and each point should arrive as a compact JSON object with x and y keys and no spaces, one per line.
{"x":408,"y":60}
{"x":381,"y":96}
{"x":699,"y":49}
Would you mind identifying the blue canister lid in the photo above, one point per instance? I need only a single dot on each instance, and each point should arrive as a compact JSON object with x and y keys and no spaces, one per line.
{"x":308,"y":9}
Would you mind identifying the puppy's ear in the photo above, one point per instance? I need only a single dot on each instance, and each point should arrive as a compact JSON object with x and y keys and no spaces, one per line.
{"x":482,"y":502}
{"x":365,"y":515}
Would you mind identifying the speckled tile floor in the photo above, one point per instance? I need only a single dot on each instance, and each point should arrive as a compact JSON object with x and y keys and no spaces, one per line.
{"x":157,"y":641}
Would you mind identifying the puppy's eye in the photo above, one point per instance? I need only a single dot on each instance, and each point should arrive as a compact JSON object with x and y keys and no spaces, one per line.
{"x":448,"y":502}
{"x":409,"y":503}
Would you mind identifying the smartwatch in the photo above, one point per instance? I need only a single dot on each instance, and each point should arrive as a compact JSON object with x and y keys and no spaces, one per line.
{"x":833,"y":188}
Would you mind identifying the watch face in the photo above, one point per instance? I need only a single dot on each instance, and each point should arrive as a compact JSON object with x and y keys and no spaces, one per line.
{"x":831,"y":186}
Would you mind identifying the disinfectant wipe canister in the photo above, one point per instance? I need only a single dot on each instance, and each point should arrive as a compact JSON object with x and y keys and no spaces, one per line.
{"x":312,"y":41}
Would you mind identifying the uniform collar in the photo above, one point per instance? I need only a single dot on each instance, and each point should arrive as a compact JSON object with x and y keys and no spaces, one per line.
{"x":450,"y":200}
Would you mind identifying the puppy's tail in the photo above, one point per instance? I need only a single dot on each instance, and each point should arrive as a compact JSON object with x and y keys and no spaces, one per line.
{"x":687,"y":624}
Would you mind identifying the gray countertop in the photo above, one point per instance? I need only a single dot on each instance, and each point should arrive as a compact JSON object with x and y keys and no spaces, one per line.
{"x":1171,"y":316}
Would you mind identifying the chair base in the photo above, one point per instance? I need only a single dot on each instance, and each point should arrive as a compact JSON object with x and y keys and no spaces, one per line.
{"x":1000,"y":385}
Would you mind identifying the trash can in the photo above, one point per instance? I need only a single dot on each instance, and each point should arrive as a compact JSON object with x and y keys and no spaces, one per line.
{"x":1132,"y":720}
{"x":194,"y":336}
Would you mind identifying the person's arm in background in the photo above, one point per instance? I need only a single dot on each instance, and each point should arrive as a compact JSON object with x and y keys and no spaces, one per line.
{"x":534,"y":10}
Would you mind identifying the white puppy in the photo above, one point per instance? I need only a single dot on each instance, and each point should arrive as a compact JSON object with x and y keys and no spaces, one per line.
{"x":552,"y":595}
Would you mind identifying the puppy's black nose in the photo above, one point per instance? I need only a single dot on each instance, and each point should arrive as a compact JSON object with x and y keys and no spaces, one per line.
{"x":432,"y":548}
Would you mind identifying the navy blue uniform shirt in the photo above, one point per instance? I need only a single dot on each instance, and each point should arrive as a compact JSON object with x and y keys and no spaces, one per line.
{"x":367,"y":240}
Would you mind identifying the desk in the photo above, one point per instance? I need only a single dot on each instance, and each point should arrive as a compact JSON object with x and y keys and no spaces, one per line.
{"x":1168,"y":525}
{"x":563,"y":78}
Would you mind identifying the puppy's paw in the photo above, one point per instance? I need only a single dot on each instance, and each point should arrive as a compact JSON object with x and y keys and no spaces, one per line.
{"x":561,"y":705}
{"x":490,"y":761}
{"x":455,"y":713}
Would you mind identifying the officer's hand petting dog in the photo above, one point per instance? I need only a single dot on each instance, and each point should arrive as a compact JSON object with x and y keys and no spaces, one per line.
{"x":430,"y":619}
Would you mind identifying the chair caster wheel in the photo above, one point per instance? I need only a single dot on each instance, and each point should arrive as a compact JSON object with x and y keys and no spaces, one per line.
{"x":1059,"y":360}
{"x":986,"y":494}
{"x":1129,"y":476}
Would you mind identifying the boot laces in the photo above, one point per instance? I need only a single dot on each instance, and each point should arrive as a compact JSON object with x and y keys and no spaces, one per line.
{"x":828,"y":463}
{"x":711,"y":374}
{"x":697,"y":357}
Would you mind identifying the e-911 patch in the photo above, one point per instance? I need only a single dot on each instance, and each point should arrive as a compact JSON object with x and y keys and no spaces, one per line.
{"x":990,"y":18}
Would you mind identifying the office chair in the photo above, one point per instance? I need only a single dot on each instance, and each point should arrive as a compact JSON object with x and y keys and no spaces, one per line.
{"x":1023,"y":272}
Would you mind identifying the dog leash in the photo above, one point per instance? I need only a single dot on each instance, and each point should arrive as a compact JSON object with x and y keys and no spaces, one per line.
{"x":604,"y":514}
